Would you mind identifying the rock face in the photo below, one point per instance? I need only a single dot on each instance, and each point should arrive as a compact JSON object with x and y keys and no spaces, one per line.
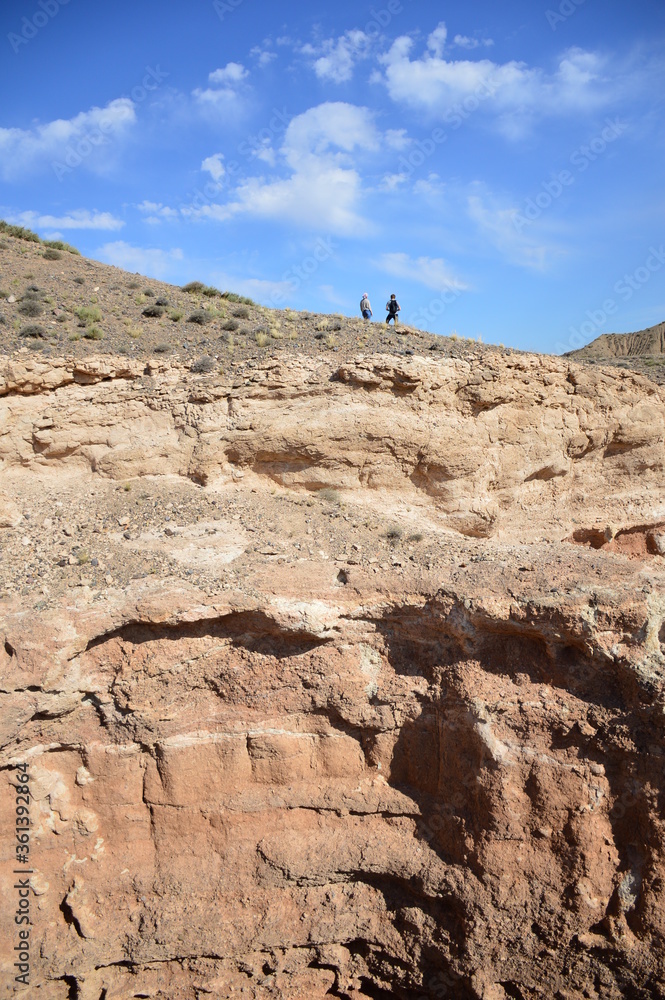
{"x":624,"y":345}
{"x":339,"y":776}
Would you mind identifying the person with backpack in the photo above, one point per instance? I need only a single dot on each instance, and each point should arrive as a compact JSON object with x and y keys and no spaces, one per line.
{"x":393,"y":307}
{"x":365,"y":307}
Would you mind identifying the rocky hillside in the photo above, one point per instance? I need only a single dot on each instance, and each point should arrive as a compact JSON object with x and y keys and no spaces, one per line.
{"x":335,"y":671}
{"x":643,"y":351}
{"x":56,"y":302}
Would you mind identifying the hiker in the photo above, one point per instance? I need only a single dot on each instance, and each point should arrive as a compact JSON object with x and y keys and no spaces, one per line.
{"x":393,"y":307}
{"x":365,"y":307}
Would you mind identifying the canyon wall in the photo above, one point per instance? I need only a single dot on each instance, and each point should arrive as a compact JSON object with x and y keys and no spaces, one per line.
{"x":344,"y":777}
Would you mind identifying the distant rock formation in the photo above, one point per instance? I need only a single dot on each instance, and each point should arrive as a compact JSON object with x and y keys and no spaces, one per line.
{"x":624,"y":345}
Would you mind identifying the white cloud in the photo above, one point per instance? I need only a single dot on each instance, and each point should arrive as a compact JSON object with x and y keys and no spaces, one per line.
{"x":154,"y":263}
{"x":79,"y":218}
{"x":433,"y":272}
{"x":214,"y":166}
{"x":430,"y":185}
{"x":397,"y":138}
{"x":81,"y":140}
{"x":435,"y":84}
{"x":437,"y":40}
{"x":155,"y":212}
{"x":337,"y":58}
{"x":233,"y":72}
{"x":323,"y":190}
{"x":263,"y":55}
{"x":391,"y":182}
{"x":225,"y":91}
{"x":496,"y":224}
{"x":463,"y":42}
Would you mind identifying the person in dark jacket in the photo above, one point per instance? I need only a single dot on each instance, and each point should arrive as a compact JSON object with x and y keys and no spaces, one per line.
{"x":393,"y":307}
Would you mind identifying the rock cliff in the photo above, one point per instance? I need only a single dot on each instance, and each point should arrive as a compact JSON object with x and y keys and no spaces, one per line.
{"x":335,"y":679}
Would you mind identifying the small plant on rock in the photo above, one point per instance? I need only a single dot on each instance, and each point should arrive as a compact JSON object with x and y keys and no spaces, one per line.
{"x":93,"y":333}
{"x":203,"y":365}
{"x":331,"y":495}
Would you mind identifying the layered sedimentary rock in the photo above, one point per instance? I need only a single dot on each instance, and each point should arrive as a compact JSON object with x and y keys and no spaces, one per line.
{"x":348,"y":778}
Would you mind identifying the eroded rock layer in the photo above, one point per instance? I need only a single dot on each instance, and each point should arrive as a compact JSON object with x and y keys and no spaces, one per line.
{"x":331,"y":775}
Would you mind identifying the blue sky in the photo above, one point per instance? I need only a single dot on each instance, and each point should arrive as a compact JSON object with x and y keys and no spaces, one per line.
{"x":498,"y":166}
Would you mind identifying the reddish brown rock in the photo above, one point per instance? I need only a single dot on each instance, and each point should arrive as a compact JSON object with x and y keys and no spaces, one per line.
{"x":404,"y":738}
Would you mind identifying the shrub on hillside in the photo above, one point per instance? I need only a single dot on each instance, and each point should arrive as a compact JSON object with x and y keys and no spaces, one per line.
{"x":50,"y":254}
{"x":88,"y":314}
{"x":31,"y":308}
{"x":33,"y":330}
{"x":241,"y":313}
{"x":200,"y":317}
{"x":93,"y":333}
{"x":202,"y":366}
{"x":211,"y":292}
{"x":79,"y":281}
{"x":231,"y":325}
{"x":161,"y":301}
{"x":153,"y":311}
{"x":194,"y":287}
{"x":18,"y":232}
{"x":60,"y":245}
{"x":162,"y":348}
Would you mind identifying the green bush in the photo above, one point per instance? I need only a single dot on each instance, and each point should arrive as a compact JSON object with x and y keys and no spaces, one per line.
{"x":50,"y":254}
{"x":59,"y":245}
{"x":148,"y":292}
{"x":133,"y":284}
{"x":194,"y":287}
{"x":33,"y":330}
{"x":211,"y":292}
{"x":332,"y":496}
{"x":79,"y":281}
{"x":161,"y":301}
{"x":153,"y":311}
{"x":18,"y":232}
{"x":175,"y":315}
{"x":31,"y":308}
{"x":242,"y":313}
{"x":202,"y":366}
{"x":88,"y":314}
{"x":200,"y":317}
{"x":93,"y":333}
{"x":231,"y":325}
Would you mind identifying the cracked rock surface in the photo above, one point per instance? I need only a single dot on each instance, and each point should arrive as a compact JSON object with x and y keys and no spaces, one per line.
{"x":335,"y":677}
